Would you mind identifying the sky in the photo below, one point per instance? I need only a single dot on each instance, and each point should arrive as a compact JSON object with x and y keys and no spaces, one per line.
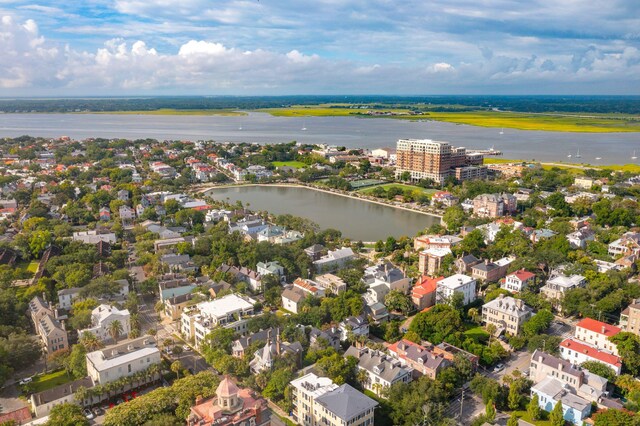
{"x":286,"y":47}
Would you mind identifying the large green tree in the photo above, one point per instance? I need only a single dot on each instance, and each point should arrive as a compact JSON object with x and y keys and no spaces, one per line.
{"x":67,"y":414}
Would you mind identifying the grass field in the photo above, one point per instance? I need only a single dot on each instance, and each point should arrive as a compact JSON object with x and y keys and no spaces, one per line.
{"x":633,"y":168}
{"x":294,"y":164}
{"x":402,"y":186}
{"x":593,"y":123}
{"x":525,"y":416}
{"x":477,"y":333}
{"x":171,"y":111}
{"x":33,"y":266}
{"x":50,"y":380}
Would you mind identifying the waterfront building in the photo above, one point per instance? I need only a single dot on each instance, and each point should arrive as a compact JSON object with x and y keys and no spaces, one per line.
{"x":434,"y":160}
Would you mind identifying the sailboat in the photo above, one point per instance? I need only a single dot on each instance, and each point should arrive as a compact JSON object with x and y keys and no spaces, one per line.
{"x":240,"y":128}
{"x":569,"y":156}
{"x":578,"y":154}
{"x":304,"y":126}
{"x":502,"y":131}
{"x":634,"y":156}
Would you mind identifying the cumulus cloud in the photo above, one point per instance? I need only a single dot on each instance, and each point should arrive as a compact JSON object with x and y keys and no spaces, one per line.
{"x":32,"y":63}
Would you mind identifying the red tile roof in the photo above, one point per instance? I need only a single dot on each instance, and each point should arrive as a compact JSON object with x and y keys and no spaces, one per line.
{"x":592,"y":352}
{"x":426,"y":285}
{"x":523,"y":275}
{"x":599,"y":327}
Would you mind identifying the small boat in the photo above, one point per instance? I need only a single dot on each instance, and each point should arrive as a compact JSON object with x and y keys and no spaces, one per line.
{"x":578,"y":154}
{"x":598,"y":158}
{"x":634,"y":156}
{"x":502,"y":131}
{"x":569,"y":156}
{"x":303,"y":129}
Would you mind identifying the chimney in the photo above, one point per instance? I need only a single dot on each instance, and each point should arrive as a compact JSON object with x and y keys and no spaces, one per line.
{"x":198,"y":399}
{"x":278,"y":341}
{"x":248,"y":340}
{"x":486,"y":261}
{"x":603,"y":329}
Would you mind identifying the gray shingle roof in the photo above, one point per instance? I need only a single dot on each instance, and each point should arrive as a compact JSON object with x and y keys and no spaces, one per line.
{"x":346,"y":402}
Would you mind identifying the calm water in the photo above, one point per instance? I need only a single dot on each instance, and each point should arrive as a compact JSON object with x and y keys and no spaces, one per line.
{"x":356,"y":219}
{"x":612,"y":148}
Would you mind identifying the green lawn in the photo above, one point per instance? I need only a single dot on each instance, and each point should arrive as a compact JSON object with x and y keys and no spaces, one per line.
{"x":294,"y":164}
{"x":476,"y":332}
{"x":525,"y":416}
{"x":402,"y":186}
{"x":33,"y":266}
{"x":50,"y":380}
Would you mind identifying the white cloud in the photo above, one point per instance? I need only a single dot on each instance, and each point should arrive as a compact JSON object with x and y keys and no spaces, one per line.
{"x":31,"y":64}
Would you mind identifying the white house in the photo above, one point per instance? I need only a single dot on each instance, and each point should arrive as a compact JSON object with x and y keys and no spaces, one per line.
{"x":122,"y":360}
{"x":66,"y":297}
{"x":358,"y":326}
{"x":102,"y":317}
{"x":43,"y":402}
{"x":597,"y":333}
{"x":458,"y":283}
{"x":382,"y":370}
{"x":518,"y":281}
{"x":335,"y":259}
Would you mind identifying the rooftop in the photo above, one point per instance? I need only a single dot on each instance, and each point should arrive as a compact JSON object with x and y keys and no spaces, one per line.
{"x":455,"y":281}
{"x":346,"y":402}
{"x":599,"y":327}
{"x":590,"y":351}
{"x":122,"y":353}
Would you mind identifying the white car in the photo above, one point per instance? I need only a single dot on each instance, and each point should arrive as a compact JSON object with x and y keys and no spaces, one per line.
{"x":88,"y":414}
{"x":25,"y":381}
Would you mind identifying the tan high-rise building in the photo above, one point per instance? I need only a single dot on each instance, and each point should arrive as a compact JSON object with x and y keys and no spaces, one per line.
{"x":428,"y":159}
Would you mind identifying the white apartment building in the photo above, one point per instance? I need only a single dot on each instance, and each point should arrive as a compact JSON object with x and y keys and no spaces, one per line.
{"x":317,"y":401}
{"x":458,"y":283}
{"x":102,"y":316}
{"x":578,"y":352}
{"x":597,"y":333}
{"x":228,"y":312}
{"x":122,"y":360}
{"x":506,"y":313}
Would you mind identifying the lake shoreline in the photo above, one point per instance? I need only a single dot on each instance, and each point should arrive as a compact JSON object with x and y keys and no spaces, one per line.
{"x":315,"y":188}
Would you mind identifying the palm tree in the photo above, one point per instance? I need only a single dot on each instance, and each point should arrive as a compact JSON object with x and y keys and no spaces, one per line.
{"x":114,"y":329}
{"x":90,"y":341}
{"x":154,"y":370}
{"x":491,"y":329}
{"x":474,"y":313}
{"x":134,"y":320}
{"x":81,"y":395}
{"x":176,"y":367}
{"x":134,"y":333}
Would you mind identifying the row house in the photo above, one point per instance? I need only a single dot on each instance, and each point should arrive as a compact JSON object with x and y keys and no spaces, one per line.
{"x":597,"y":333}
{"x":578,"y":352}
{"x":421,"y":359}
{"x":489,"y":271}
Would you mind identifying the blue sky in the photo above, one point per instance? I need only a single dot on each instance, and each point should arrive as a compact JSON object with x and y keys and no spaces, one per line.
{"x":138,"y":47}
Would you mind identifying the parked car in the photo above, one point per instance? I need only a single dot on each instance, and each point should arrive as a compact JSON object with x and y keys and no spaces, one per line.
{"x":25,"y":381}
{"x":97,"y":411}
{"x":88,"y":414}
{"x":526,"y":372}
{"x":119,"y":401}
{"x":499,"y":367}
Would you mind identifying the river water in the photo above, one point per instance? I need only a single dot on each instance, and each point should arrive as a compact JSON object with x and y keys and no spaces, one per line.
{"x":352,"y":132}
{"x":356,"y":219}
